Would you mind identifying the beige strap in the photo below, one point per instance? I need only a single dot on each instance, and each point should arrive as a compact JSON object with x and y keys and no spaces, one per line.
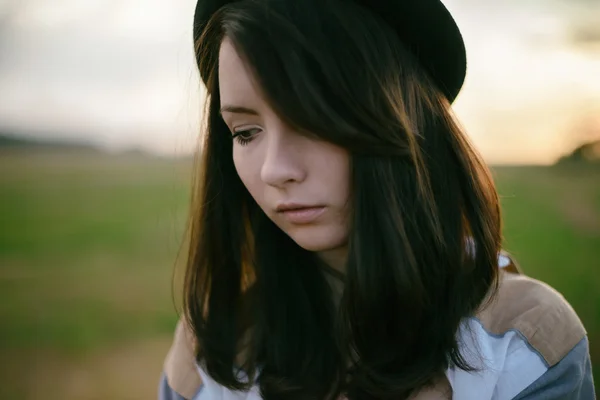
{"x":180,"y":364}
{"x":537,"y":311}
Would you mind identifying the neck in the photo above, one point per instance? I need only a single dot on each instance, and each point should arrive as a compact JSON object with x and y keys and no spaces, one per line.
{"x":334,"y":269}
{"x":335,"y":258}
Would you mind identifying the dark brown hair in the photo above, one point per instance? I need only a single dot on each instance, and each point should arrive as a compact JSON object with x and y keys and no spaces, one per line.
{"x":423,"y":201}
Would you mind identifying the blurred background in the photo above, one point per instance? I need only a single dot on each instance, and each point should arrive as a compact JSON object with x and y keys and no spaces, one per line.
{"x":99,"y":111}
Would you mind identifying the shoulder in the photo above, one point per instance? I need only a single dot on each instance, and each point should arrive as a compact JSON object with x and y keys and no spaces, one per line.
{"x":527,"y":339}
{"x":535,"y":311}
{"x":181,"y":379}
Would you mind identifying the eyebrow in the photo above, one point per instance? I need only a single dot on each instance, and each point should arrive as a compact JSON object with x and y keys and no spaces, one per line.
{"x":237,"y":110}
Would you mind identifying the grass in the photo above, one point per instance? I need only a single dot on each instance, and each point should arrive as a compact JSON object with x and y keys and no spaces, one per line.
{"x":552,"y":227}
{"x":89,"y":241}
{"x":88,"y":245}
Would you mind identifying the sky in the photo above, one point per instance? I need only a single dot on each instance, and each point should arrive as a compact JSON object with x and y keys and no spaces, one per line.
{"x":121,"y":73}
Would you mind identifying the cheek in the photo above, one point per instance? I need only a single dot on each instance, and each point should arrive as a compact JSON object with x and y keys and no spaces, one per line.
{"x":345,"y":173}
{"x":335,"y":173}
{"x":249,"y":173}
{"x":241,"y":168}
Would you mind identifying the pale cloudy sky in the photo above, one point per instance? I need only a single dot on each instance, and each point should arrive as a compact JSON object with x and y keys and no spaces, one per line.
{"x":121,"y":73}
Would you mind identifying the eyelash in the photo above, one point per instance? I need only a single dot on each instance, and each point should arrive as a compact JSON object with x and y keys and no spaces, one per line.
{"x":242,"y":141}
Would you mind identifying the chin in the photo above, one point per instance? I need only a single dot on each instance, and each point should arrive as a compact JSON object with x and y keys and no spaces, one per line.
{"x":316,"y":238}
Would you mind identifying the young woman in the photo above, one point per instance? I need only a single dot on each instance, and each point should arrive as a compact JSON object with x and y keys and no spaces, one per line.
{"x":345,"y":236}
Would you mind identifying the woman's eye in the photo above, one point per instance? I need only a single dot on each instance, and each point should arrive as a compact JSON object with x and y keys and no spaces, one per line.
{"x":245,"y":136}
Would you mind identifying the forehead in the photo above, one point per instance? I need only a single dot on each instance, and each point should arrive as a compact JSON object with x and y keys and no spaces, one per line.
{"x":236,"y":84}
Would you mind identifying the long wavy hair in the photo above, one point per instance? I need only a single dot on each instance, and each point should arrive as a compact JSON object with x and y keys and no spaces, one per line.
{"x":422,"y":202}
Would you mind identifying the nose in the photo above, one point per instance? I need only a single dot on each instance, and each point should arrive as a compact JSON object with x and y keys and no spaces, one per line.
{"x":283,"y":160}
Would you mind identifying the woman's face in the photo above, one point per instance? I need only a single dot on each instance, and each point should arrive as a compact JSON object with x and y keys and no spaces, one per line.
{"x":302,"y":184}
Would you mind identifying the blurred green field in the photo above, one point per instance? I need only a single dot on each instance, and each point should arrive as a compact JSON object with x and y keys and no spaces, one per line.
{"x":89,"y":241}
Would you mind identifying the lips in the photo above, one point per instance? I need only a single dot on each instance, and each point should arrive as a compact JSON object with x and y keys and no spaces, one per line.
{"x":300,"y":214}
{"x":281,"y":207}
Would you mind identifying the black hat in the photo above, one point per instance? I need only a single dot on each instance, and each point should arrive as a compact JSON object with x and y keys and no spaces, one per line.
{"x":424,"y":26}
